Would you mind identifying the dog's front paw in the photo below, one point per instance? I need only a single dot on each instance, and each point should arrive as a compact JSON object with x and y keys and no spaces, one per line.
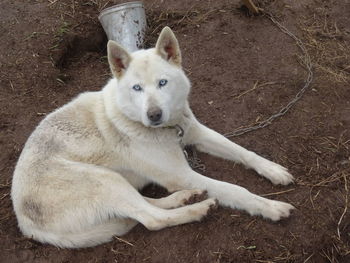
{"x":276,"y":210}
{"x":276,"y":173}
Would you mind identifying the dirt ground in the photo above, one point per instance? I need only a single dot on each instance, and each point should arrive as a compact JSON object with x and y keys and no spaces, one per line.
{"x":243,"y":69}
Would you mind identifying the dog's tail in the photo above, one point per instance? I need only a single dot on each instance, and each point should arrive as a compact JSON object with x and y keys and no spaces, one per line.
{"x":96,"y":235}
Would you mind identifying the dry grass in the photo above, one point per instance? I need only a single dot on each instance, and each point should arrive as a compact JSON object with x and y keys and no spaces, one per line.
{"x":156,"y":20}
{"x":325,"y":41}
{"x":99,"y":4}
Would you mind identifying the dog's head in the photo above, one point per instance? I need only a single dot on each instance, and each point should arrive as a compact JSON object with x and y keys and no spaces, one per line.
{"x":152,"y":87}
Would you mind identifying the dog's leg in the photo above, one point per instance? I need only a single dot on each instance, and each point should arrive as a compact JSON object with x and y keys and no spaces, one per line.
{"x":129,"y":203}
{"x":174,"y":173}
{"x":228,"y":194}
{"x":155,"y":218}
{"x":89,"y":204}
{"x":176,"y":199}
{"x":209,"y":141}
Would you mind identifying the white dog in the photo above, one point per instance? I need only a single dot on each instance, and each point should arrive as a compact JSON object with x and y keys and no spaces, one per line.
{"x":76,"y":182}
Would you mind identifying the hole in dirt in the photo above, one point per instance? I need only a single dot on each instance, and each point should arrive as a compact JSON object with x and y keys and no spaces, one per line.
{"x":73,"y":46}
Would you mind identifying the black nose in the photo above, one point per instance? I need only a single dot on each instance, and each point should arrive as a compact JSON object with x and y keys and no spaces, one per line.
{"x":154,"y":114}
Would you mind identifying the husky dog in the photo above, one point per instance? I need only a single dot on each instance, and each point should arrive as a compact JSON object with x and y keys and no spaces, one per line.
{"x":76,"y":182}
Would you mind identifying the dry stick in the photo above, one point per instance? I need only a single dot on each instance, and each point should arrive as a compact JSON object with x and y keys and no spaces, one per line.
{"x":103,"y":6}
{"x":124,"y":241}
{"x":330,"y":179}
{"x":306,"y":260}
{"x":4,"y":195}
{"x":13,"y":89}
{"x":52,"y":2}
{"x":277,"y":193}
{"x":346,"y":205}
{"x":5,"y":185}
{"x":311,"y":199}
{"x":250,"y":5}
{"x":254,"y":88}
{"x":247,"y":91}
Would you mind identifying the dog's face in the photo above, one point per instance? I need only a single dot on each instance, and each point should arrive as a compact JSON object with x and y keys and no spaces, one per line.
{"x":152,"y":87}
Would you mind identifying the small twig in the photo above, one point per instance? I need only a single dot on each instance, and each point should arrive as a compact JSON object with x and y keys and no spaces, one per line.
{"x":311,"y":199}
{"x":4,"y":195}
{"x":247,"y":91}
{"x":256,"y":86}
{"x":267,"y":83}
{"x":52,"y":2}
{"x":278,"y":193}
{"x":250,"y":5}
{"x":334,"y":177}
{"x":247,"y":227}
{"x":306,"y":260}
{"x":124,"y":241}
{"x":100,"y":8}
{"x":13,"y":89}
{"x":4,"y":185}
{"x":346,"y":205}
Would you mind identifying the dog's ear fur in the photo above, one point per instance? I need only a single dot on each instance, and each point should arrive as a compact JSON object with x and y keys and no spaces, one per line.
{"x":118,"y":58}
{"x":168,"y":47}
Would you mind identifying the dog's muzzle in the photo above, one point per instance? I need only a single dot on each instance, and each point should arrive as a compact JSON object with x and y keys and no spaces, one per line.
{"x":155,"y":116}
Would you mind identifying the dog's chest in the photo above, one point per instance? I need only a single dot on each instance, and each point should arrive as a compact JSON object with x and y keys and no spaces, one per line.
{"x":154,"y":153}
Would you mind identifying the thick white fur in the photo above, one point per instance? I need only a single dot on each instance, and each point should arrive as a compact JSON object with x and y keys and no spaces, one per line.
{"x":76,"y":182}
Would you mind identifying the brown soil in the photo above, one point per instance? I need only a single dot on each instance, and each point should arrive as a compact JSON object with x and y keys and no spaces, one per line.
{"x":53,"y":50}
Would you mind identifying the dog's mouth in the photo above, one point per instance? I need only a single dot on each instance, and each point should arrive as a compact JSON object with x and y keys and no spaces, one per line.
{"x":156,"y":124}
{"x":153,"y":124}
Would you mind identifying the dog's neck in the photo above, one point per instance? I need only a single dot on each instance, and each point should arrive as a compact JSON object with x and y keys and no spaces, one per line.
{"x":179,"y":130}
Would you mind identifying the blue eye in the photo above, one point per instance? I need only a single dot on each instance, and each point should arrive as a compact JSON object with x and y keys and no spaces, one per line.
{"x":162,"y":82}
{"x":137,"y":87}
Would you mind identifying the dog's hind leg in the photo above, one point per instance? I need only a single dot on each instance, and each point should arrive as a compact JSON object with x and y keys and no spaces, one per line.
{"x":155,"y":218}
{"x":176,"y":199}
{"x":87,"y":205}
{"x":77,"y":205}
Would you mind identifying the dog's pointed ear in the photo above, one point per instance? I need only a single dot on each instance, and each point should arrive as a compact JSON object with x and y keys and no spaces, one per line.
{"x":118,"y":58}
{"x":168,"y":47}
